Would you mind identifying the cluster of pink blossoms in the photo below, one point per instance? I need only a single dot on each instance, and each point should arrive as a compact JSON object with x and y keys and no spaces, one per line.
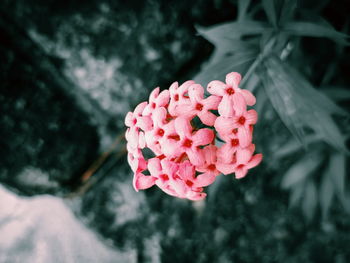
{"x":186,"y":158}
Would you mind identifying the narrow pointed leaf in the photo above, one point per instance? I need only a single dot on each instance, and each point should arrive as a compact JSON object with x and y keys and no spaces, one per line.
{"x":291,"y":147}
{"x":280,"y":93}
{"x":337,"y":93}
{"x":234,"y":30}
{"x":237,"y":63}
{"x":287,"y":11}
{"x":310,"y":29}
{"x":296,"y":194}
{"x":310,"y":200}
{"x":300,"y":171}
{"x":242,"y":9}
{"x":326,"y":193}
{"x":338,"y":174}
{"x":270,"y":10}
{"x":299,"y":105}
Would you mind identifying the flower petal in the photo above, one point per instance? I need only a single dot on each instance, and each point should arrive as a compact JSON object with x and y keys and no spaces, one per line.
{"x":212,"y":102}
{"x":243,"y":156}
{"x":257,"y":158}
{"x":209,"y":153}
{"x":145,"y":123}
{"x":159,"y":116}
{"x":171,"y":148}
{"x":225,"y":153}
{"x":216,"y":87}
{"x":154,"y":94}
{"x":163,"y":98}
{"x":239,"y":104}
{"x":208,"y":118}
{"x":139,"y":108}
{"x":233,"y":79}
{"x":142,"y":181}
{"x":205,"y":179}
{"x":173,"y":87}
{"x":184,"y":87}
{"x":185,"y":110}
{"x":226,"y":107}
{"x":196,"y":196}
{"x":169,"y":167}
{"x":225,"y":168}
{"x":248,"y":97}
{"x":129,"y":119}
{"x":187,"y":171}
{"x":203,"y":136}
{"x":251,"y":116}
{"x":154,"y":167}
{"x":240,"y":173}
{"x":183,"y":127}
{"x":224,"y":126}
{"x":245,"y":136}
{"x":196,"y":157}
{"x":196,"y":93}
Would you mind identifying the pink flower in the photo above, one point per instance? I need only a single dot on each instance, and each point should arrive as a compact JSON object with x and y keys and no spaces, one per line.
{"x":209,"y":168}
{"x":178,"y":95}
{"x":186,"y":158}
{"x":245,"y":160}
{"x":199,"y":106}
{"x":135,"y":119}
{"x":234,"y":99}
{"x":238,"y":124}
{"x":187,"y":185}
{"x":156,"y":100}
{"x":161,"y":129}
{"x":189,"y":141}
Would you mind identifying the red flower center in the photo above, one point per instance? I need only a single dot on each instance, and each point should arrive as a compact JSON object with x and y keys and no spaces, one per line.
{"x":189,"y":183}
{"x":240,"y":166}
{"x":241,"y":120}
{"x":199,"y":106}
{"x":176,"y":97}
{"x":187,"y":143}
{"x":160,"y":132}
{"x":234,"y":131}
{"x":212,"y":167}
{"x":164,"y":177}
{"x":174,"y":137}
{"x":230,"y":91}
{"x":234,"y":142}
{"x":153,"y":105}
{"x":161,"y":157}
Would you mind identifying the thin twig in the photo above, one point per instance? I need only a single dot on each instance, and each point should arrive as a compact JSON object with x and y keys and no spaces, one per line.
{"x":97,"y":163}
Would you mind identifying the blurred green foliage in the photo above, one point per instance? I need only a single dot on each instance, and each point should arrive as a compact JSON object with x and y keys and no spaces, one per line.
{"x":268,"y":44}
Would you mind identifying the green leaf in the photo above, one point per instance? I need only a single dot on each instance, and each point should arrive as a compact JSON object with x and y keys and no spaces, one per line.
{"x":233,"y":30}
{"x":280,"y":92}
{"x":326,"y":193}
{"x":299,"y":105}
{"x":291,"y":147}
{"x":270,"y":10}
{"x":309,"y":29}
{"x":242,"y":9}
{"x":310,"y":200}
{"x":338,"y":173}
{"x":296,"y":194}
{"x":300,"y":171}
{"x":337,"y":93}
{"x":218,"y":71}
{"x":287,"y":12}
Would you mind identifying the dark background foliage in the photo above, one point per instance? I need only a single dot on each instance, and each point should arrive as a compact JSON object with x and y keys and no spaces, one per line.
{"x":70,"y":70}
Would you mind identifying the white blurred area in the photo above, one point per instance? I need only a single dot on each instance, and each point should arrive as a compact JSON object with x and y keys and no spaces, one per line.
{"x":43,"y":229}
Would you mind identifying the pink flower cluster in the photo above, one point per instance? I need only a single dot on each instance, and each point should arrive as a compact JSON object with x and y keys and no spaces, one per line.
{"x":185,"y":158}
